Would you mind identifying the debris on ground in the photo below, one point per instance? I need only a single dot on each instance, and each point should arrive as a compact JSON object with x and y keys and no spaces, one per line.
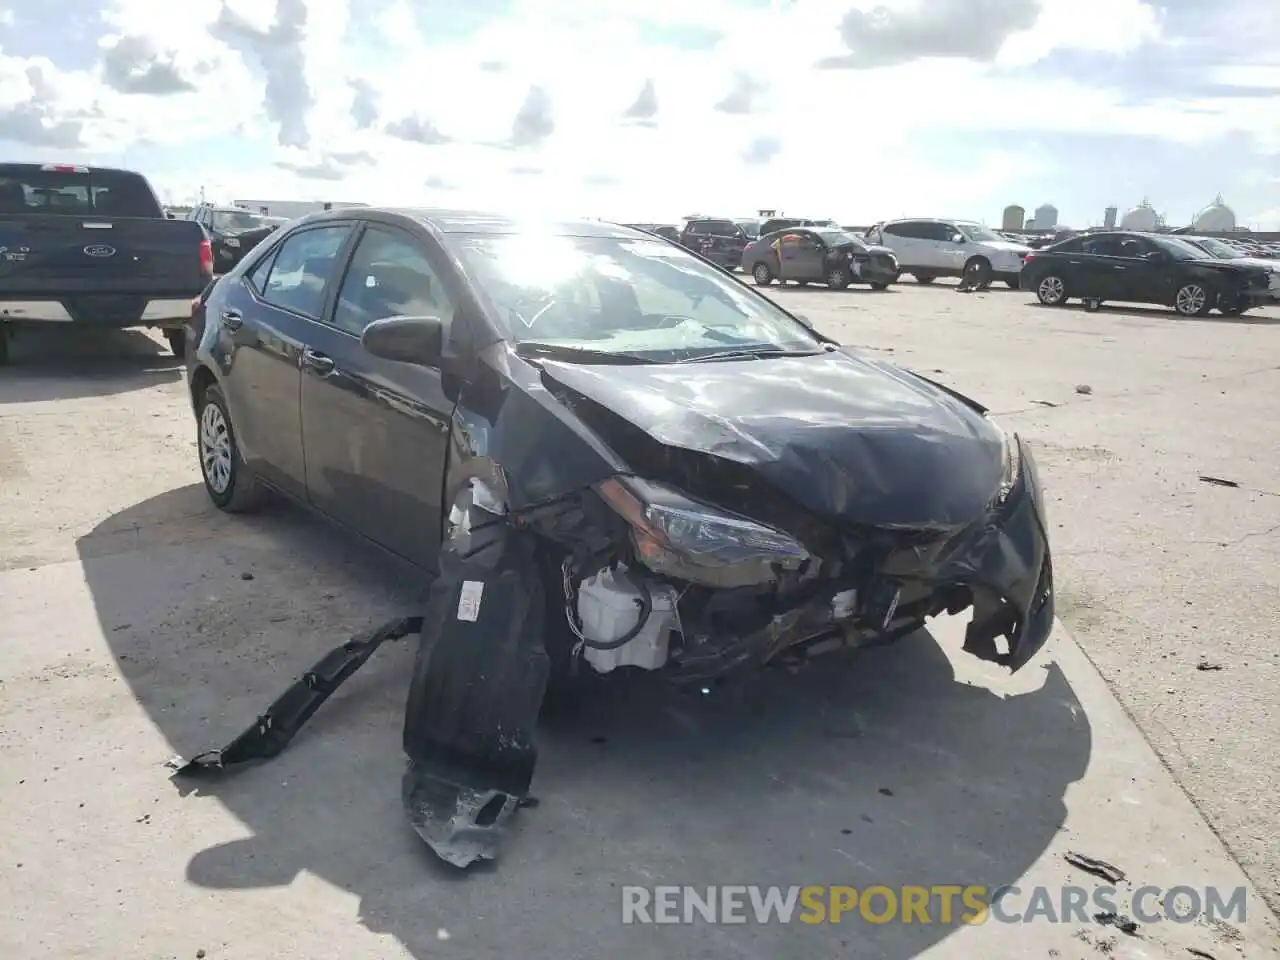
{"x":1219,"y":482}
{"x":1044,"y":403}
{"x":1202,"y":954}
{"x":1084,"y":389}
{"x":1099,"y":868}
{"x":1122,"y":923}
{"x":1208,"y":665}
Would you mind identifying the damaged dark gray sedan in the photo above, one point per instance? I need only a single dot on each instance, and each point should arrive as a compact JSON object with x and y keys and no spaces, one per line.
{"x":611,"y":455}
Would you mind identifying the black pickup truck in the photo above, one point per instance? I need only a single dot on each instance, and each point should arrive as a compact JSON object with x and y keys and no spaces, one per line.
{"x":92,"y":246}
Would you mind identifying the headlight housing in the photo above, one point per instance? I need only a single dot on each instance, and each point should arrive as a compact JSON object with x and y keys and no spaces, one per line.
{"x":1011,"y":458}
{"x":678,"y":537}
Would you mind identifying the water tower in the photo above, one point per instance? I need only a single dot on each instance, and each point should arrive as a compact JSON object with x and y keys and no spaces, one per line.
{"x":1046,"y":216}
{"x":1215,"y":218}
{"x":1143,"y":217}
{"x":1109,"y":217}
{"x":1012,"y":218}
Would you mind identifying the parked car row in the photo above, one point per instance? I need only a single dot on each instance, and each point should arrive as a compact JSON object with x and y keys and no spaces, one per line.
{"x":1133,"y":267}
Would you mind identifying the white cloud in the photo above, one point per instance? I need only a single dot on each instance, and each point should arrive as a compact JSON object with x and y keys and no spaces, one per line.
{"x":843,"y":141}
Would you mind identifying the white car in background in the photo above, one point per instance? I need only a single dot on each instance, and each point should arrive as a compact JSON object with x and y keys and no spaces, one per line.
{"x":928,"y":248}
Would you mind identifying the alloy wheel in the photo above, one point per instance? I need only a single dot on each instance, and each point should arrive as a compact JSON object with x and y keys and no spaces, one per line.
{"x":1051,"y":291}
{"x":215,"y":448}
{"x":1191,"y":299}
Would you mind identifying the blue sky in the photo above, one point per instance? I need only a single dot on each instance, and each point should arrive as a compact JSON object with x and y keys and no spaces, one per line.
{"x":843,"y":108}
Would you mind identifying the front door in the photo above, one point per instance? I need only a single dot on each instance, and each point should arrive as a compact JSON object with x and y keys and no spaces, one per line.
{"x":375,"y":431}
{"x":801,"y":257}
{"x":1144,"y":274}
{"x":264,"y":323}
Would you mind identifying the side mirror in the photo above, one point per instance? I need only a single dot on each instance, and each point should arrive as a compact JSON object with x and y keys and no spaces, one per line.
{"x":958,"y":238}
{"x":1156,"y":256}
{"x":417,"y":340}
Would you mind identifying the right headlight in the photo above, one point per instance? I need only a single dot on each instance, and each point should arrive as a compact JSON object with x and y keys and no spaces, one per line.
{"x":678,"y":537}
{"x":1011,"y":458}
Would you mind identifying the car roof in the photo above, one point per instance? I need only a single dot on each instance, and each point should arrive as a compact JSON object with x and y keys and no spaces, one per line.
{"x":455,"y":221}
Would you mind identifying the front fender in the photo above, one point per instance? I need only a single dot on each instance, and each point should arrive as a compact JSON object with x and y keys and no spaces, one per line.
{"x":510,"y":433}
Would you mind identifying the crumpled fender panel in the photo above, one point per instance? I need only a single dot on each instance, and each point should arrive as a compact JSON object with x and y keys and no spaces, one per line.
{"x":475,"y":695}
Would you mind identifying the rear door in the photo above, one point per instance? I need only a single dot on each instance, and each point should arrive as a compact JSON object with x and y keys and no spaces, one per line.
{"x":265,"y":321}
{"x":1100,"y":268}
{"x":901,"y":238}
{"x":375,"y":431}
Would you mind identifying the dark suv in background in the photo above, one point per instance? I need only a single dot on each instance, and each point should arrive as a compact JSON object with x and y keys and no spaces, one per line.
{"x":233,"y":232}
{"x":719,"y":239}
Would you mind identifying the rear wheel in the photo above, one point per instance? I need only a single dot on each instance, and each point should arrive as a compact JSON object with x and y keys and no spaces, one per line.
{"x":229,"y":482}
{"x":1052,"y":291}
{"x":177,"y":342}
{"x":925,"y":278}
{"x":1012,"y":284}
{"x":761,"y":274}
{"x":880,"y":286}
{"x":1192,"y":300}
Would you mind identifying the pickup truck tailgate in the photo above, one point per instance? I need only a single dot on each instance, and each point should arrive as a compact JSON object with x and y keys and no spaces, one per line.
{"x":63,"y":255}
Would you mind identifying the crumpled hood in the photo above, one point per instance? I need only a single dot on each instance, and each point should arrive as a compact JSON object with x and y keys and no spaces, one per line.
{"x":850,"y":438}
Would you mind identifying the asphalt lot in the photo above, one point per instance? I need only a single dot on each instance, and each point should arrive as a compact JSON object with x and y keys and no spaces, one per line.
{"x":139,"y":622}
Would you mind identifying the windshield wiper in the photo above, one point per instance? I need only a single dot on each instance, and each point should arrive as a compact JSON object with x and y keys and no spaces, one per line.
{"x":556,"y":351}
{"x":743,"y":353}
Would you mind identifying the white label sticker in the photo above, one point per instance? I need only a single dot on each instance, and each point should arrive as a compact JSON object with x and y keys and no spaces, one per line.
{"x":469,"y":600}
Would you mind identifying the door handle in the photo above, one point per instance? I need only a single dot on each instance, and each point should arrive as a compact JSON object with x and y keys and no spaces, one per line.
{"x":318,"y":362}
{"x":232,"y":320}
{"x":1119,"y":268}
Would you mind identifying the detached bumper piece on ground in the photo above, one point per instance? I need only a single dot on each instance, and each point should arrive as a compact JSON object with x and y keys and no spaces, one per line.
{"x":477,"y":689}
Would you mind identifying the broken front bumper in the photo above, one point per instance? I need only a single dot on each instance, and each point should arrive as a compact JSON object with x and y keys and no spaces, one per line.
{"x":1001,"y":566}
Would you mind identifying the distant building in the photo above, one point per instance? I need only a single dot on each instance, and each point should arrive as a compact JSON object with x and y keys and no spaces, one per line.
{"x":1013,"y":217}
{"x":293,"y":208}
{"x":1215,"y":218}
{"x":1046,"y":216}
{"x":1109,"y":217}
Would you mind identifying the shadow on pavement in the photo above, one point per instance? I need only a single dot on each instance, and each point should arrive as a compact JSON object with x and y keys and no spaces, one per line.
{"x":56,"y":362}
{"x":1160,"y":313}
{"x":872,"y":768}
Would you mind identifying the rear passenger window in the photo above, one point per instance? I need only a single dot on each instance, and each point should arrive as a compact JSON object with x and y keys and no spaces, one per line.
{"x":302,"y":267}
{"x":1103,"y":246}
{"x":389,"y":276}
{"x":910,"y":229}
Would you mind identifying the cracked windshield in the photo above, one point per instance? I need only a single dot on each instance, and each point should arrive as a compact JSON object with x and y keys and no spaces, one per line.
{"x":636,"y":298}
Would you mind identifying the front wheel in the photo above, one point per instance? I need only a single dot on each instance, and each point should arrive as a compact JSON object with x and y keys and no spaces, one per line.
{"x":228,"y":480}
{"x":838,"y":278}
{"x":925,"y":279}
{"x":1192,"y":300}
{"x":880,"y":286}
{"x":1052,"y":291}
{"x":761,"y":274}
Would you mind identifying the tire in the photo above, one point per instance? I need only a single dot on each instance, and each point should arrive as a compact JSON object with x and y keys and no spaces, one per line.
{"x":880,"y":286}
{"x":838,"y":279}
{"x":177,"y":342}
{"x":924,"y":279}
{"x":5,"y":334}
{"x":980,"y":267}
{"x":230,"y":483}
{"x":1193,"y":300}
{"x":1051,"y":290}
{"x":1013,"y":284}
{"x":761,"y":274}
